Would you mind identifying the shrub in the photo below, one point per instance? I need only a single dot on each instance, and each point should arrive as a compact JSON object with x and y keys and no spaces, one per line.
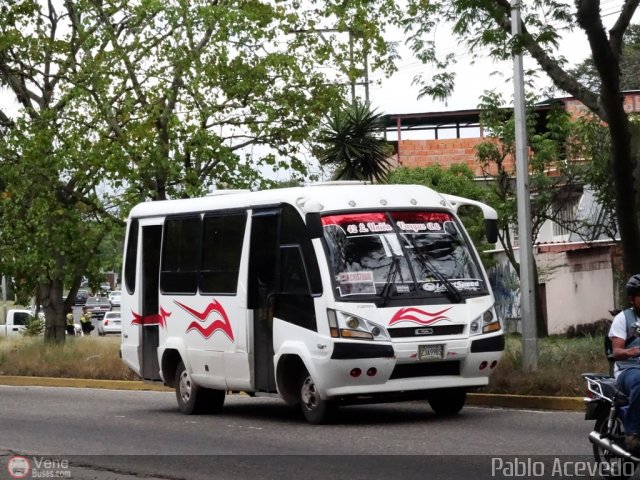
{"x":33,"y":327}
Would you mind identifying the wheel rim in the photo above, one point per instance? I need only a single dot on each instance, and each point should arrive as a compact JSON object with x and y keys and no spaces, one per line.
{"x":185,"y":387}
{"x":613,"y":466}
{"x":309,"y":394}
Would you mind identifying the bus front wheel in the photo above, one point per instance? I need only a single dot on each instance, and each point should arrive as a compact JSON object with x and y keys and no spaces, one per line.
{"x":316,"y":410}
{"x":193,"y":399}
{"x":448,"y":401}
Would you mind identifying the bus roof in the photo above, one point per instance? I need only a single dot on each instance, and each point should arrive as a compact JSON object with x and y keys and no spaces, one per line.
{"x":317,"y":198}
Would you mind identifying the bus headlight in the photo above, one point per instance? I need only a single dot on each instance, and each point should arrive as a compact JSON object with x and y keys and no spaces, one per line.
{"x":345,"y":325}
{"x":485,"y":323}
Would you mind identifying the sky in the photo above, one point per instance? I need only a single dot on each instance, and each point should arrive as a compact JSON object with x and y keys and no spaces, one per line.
{"x":397,"y":95}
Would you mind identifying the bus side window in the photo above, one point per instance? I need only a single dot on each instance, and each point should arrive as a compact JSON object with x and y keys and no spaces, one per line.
{"x":223,"y":235}
{"x":295,"y":233}
{"x":299,"y":273}
{"x":293,"y":273}
{"x":180,"y":255}
{"x":131,"y":257}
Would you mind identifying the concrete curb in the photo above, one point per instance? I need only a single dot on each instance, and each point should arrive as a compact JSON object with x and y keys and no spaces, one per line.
{"x":82,"y":383}
{"x":526,"y":401}
{"x":476,"y":399}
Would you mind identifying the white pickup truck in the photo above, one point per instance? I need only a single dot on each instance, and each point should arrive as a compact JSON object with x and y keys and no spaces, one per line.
{"x":15,"y":323}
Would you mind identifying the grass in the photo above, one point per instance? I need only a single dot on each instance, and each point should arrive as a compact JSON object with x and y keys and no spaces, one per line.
{"x":81,"y":357}
{"x":560,"y":362}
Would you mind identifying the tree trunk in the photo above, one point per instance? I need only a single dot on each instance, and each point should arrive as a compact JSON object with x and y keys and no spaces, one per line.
{"x":55,"y":311}
{"x":624,"y":167}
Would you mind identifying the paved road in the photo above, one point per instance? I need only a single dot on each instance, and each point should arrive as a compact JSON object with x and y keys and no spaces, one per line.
{"x":115,"y":434}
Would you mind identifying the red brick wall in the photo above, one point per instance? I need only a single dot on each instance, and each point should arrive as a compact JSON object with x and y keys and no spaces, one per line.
{"x":443,"y":152}
{"x":446,"y":152}
{"x":576,"y":108}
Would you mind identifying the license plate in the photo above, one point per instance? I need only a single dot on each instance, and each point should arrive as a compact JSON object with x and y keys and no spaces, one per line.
{"x":428,"y":352}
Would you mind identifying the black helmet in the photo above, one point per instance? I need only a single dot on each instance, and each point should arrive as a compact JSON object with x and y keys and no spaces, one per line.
{"x":633,"y":285}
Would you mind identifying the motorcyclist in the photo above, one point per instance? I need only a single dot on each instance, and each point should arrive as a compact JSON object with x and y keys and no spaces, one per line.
{"x":625,"y":340}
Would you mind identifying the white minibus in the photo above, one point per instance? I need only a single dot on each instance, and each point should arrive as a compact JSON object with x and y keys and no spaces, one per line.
{"x":325,"y":295}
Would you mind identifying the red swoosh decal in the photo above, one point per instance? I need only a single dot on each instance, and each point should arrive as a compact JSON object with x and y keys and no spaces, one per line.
{"x":153,"y":319}
{"x":412,"y":314}
{"x":221,"y":324}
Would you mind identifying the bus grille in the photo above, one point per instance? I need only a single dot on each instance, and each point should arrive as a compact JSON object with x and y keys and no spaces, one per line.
{"x":426,"y":369}
{"x":426,"y":331}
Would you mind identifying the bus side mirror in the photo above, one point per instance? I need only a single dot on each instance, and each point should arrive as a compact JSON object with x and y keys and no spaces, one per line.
{"x":491,"y":230}
{"x":314,"y":225}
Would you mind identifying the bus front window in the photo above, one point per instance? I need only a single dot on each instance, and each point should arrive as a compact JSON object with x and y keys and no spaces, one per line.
{"x":400,"y":254}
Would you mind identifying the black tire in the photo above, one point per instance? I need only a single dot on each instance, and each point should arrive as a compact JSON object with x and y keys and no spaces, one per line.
{"x":315,"y":410}
{"x":448,"y":401}
{"x":613,"y":467}
{"x":194,"y":399}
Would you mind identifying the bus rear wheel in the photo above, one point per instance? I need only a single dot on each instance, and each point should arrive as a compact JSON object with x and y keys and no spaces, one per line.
{"x":194,"y":399}
{"x":315,"y":410}
{"x":448,"y":401}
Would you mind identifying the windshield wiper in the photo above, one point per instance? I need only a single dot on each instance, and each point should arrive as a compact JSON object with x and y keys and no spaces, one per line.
{"x":453,"y":293}
{"x":385,"y":293}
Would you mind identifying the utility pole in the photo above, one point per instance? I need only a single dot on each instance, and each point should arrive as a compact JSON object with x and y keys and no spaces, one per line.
{"x":351,"y":66}
{"x":527,"y":287}
{"x":366,"y":70}
{"x":4,"y":298}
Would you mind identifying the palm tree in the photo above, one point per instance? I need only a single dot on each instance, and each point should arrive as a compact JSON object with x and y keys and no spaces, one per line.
{"x":352,"y":144}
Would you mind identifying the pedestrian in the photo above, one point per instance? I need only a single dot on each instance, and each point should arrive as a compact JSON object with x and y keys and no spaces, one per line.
{"x":71,"y":329}
{"x":85,"y":322}
{"x":625,"y":341}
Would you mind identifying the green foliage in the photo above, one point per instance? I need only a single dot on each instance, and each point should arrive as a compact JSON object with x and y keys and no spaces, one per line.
{"x":587,"y":73}
{"x":547,"y":154}
{"x":34,"y":326}
{"x":352,"y":144}
{"x":561,"y":362}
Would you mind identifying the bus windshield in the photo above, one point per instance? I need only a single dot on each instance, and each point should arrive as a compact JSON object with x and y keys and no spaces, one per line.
{"x":397,"y":255}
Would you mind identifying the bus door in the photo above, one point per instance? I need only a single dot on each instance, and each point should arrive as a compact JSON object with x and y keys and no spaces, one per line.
{"x":149,"y":308}
{"x":262,"y":282}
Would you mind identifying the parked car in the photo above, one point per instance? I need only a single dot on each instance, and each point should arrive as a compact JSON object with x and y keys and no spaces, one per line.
{"x":114,"y":298}
{"x":81,"y":297}
{"x":110,"y":324}
{"x":98,"y":306}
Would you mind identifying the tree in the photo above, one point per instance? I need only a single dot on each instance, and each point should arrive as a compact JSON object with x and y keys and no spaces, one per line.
{"x":553,"y":176}
{"x":352,"y":143}
{"x":587,"y":74}
{"x":120,"y":102}
{"x":487,"y":25}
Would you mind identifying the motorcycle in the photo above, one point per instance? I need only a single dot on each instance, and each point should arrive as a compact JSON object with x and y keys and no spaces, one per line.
{"x":607,"y":405}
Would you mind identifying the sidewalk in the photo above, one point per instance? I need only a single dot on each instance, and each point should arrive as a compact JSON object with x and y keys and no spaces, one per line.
{"x":476,"y":399}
